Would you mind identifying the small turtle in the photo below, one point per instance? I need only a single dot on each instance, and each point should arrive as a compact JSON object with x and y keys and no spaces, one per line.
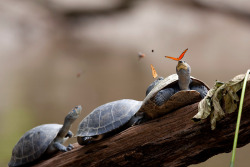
{"x":108,"y":119}
{"x":44,"y":140}
{"x":175,"y":91}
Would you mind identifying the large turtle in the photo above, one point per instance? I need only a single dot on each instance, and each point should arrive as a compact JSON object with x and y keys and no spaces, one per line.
{"x":107,"y":119}
{"x":44,"y":140}
{"x":175,"y":91}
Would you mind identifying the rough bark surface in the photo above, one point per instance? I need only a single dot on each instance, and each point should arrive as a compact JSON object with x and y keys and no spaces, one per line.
{"x":172,"y":140}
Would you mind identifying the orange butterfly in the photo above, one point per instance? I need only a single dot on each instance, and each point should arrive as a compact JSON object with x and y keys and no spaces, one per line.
{"x":180,"y":57}
{"x":153,"y":71}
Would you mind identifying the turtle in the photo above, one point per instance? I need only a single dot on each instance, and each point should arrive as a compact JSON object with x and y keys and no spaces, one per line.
{"x":108,"y":119}
{"x":172,"y":92}
{"x":43,"y":140}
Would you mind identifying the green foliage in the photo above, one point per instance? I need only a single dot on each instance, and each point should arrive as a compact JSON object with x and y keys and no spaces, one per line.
{"x":222,"y":99}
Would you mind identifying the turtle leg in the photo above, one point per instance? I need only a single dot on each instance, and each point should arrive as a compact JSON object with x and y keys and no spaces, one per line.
{"x":137,"y":119}
{"x":62,"y":148}
{"x":69,"y":134}
{"x":163,"y":95}
{"x":201,"y":89}
{"x":70,"y":147}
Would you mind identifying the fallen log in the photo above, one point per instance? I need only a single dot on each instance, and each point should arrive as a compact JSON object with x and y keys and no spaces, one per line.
{"x":172,"y":140}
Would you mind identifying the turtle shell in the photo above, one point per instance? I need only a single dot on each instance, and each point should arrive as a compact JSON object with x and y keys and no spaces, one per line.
{"x":178,"y":100}
{"x":108,"y":117}
{"x":33,"y":144}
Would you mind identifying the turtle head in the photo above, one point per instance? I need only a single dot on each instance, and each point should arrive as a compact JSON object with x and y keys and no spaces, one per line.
{"x":183,"y":71}
{"x":69,"y":119}
{"x":74,"y":113}
{"x":183,"y":66}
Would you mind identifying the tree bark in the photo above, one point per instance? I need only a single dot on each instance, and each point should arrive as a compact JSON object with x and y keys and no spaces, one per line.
{"x":172,"y":140}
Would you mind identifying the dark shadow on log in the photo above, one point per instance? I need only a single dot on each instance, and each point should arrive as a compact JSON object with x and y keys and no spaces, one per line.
{"x":172,"y":140}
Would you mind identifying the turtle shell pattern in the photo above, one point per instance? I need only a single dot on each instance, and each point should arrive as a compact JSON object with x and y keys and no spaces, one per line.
{"x":108,"y":117}
{"x":178,"y":100}
{"x":33,"y":144}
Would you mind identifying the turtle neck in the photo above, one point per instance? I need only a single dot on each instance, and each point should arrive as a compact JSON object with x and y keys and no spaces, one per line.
{"x":183,"y":71}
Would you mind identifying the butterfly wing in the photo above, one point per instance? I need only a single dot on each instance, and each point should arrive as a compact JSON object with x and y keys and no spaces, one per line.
{"x":172,"y":58}
{"x":154,"y":73}
{"x":182,"y":55}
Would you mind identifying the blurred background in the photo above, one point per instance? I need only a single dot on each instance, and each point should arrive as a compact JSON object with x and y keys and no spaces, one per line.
{"x":56,"y":54}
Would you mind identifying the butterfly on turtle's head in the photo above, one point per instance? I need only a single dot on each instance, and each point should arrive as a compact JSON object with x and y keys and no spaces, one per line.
{"x":180,"y":57}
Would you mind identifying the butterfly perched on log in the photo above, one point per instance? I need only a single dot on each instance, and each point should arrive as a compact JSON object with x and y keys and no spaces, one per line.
{"x":180,"y":57}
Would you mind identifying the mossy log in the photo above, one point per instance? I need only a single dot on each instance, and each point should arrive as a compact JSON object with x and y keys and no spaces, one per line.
{"x":172,"y":140}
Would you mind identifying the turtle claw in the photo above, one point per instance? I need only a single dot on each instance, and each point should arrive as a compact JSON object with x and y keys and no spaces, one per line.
{"x":69,"y":134}
{"x":64,"y":150}
{"x":70,"y":147}
{"x":61,"y":147}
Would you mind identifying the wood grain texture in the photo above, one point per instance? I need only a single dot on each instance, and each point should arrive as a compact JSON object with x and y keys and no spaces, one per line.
{"x":173,"y":140}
